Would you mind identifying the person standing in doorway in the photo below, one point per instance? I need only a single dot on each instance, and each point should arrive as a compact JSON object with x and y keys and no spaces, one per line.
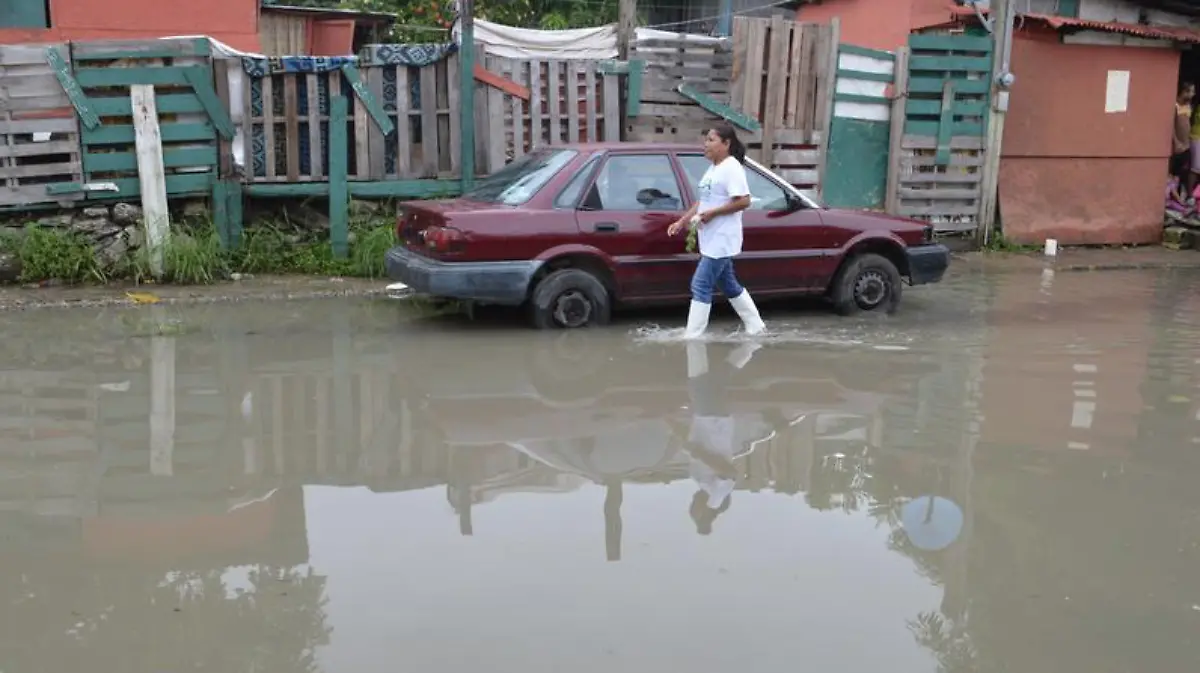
{"x":1181,"y":141}
{"x":724,"y":194}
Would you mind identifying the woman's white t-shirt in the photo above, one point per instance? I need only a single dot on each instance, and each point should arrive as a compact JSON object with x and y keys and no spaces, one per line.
{"x":722,"y":236}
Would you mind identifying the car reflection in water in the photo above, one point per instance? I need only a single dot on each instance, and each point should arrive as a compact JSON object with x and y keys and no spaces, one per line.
{"x":726,"y":416}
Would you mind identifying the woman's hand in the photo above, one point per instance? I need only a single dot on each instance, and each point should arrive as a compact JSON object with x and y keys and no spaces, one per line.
{"x":676,"y":227}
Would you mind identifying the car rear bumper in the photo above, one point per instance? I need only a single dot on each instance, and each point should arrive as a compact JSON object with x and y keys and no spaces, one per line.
{"x":505,"y":283}
{"x":928,"y":263}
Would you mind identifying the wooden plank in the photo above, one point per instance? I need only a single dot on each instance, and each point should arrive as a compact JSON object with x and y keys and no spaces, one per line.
{"x":776,"y":88}
{"x":797,"y":157}
{"x":429,"y":116}
{"x":172,"y":103}
{"x":554,"y":100}
{"x":719,"y":109}
{"x":403,"y":123}
{"x":827,"y":70}
{"x":38,"y":149}
{"x":934,"y":42}
{"x":23,"y":54}
{"x":27,"y":194}
{"x":199,"y":184}
{"x":793,"y":65}
{"x":877,"y":54}
{"x":933,"y":85}
{"x":107,"y":50}
{"x":339,"y":151}
{"x":520,"y":76}
{"x":737,"y":75}
{"x":535,"y":103}
{"x":362,"y":132}
{"x":89,"y":78}
{"x":896,"y":126}
{"x":931,"y":128}
{"x":929,"y":142}
{"x":933,"y":108}
{"x":316,"y":159}
{"x":225,"y":145}
{"x":496,"y":138}
{"x":366,"y":100}
{"x":171,"y":133}
{"x":843,"y":74}
{"x":633,"y":88}
{"x":942,"y":209}
{"x":453,"y":87}
{"x":66,"y":169}
{"x":72,"y":87}
{"x":201,"y":82}
{"x":483,"y":147}
{"x":172,"y":157}
{"x":612,"y":109}
{"x":945,"y":127}
{"x":980,"y":64}
{"x":940,"y":194}
{"x":151,"y":175}
{"x":571,"y":98}
{"x":752,"y":88}
{"x":504,"y":84}
{"x":443,"y":75}
{"x":806,"y":90}
{"x":957,"y":160}
{"x":589,"y":95}
{"x":291,"y":116}
{"x":268,"y":117}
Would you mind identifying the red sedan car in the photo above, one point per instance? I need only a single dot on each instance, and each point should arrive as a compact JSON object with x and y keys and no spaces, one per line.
{"x":571,"y":231}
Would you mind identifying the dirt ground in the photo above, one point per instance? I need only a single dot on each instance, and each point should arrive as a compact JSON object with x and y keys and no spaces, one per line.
{"x":276,"y":288}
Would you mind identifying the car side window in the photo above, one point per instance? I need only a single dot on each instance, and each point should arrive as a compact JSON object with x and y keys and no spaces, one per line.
{"x":765,"y":193}
{"x":569,"y":196}
{"x":635,"y":182}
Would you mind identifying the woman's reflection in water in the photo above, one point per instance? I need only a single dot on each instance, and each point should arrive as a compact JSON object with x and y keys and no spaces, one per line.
{"x":711,"y":441}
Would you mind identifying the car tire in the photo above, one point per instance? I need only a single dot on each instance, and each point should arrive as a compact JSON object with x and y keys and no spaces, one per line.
{"x":867,"y":282}
{"x":570,"y":299}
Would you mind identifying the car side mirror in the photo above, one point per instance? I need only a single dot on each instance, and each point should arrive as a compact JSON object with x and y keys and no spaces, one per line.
{"x":794,"y":203}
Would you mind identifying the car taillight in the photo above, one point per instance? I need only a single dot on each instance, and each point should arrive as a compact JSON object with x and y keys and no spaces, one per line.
{"x":443,"y":239}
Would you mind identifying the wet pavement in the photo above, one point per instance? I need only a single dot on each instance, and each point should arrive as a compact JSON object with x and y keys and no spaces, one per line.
{"x":1001,"y":477}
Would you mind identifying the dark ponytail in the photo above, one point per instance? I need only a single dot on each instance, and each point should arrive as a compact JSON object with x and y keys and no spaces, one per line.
{"x":727,"y":133}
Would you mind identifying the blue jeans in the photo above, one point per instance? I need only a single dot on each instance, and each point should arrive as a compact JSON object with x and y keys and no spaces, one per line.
{"x":715,"y":273}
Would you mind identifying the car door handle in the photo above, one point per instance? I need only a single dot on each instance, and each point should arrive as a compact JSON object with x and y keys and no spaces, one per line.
{"x":607,"y":227}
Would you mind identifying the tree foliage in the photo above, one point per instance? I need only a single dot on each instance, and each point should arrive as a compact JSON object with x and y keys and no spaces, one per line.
{"x":421,"y":20}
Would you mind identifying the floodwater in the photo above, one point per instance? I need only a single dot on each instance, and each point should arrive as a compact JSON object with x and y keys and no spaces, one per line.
{"x":1002,"y":477}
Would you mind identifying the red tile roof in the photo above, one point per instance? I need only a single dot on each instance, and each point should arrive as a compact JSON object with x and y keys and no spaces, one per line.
{"x":1174,"y":33}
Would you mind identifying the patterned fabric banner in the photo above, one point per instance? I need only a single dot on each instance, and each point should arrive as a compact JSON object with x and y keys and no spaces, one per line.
{"x":413,"y":55}
{"x":258,"y":66}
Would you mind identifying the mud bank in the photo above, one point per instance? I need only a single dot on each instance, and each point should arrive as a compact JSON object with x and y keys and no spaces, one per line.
{"x":284,"y":288}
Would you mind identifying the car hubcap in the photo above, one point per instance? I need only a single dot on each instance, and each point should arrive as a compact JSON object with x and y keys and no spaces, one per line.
{"x":572,"y":309}
{"x":871,"y":289}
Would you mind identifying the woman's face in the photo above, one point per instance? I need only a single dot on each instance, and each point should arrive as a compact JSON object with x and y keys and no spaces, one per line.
{"x":715,"y":147}
{"x":1187,"y":93}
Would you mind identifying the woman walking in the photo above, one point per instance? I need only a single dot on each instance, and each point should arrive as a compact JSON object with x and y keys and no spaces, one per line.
{"x":723,"y":194}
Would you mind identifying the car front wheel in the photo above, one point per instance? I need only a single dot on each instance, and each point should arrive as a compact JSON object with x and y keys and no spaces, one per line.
{"x":867,"y":282}
{"x":569,"y":299}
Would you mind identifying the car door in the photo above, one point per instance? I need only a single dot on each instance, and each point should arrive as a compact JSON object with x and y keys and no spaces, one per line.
{"x":625,"y":212}
{"x":784,"y":249}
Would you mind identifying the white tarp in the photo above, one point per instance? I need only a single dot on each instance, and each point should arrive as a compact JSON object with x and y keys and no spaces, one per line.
{"x":578,"y":43}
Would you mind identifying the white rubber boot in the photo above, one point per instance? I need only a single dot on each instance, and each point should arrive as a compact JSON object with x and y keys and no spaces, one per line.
{"x":748,"y":312}
{"x":697,"y":359}
{"x":697,"y":320}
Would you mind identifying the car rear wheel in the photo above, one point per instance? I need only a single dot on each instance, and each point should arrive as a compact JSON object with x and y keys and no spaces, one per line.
{"x":867,"y":282}
{"x":569,"y":299}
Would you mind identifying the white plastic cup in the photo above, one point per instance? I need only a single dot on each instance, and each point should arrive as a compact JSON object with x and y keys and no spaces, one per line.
{"x":1051,"y":247}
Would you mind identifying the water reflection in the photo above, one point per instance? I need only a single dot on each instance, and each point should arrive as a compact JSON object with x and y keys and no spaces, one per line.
{"x":266,"y":491}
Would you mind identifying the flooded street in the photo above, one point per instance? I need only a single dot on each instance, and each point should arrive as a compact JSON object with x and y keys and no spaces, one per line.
{"x":1001,"y":477}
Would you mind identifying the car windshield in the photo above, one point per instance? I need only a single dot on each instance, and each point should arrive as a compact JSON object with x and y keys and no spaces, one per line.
{"x":517,"y":182}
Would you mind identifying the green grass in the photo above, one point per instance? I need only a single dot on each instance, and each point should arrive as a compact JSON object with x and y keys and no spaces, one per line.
{"x":193,"y":255}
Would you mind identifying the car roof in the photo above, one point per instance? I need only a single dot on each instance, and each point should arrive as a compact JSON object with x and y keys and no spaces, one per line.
{"x":631,"y":146}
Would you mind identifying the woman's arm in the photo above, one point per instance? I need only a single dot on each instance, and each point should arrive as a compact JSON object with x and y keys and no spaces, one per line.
{"x":735,"y":205}
{"x":678,"y":225}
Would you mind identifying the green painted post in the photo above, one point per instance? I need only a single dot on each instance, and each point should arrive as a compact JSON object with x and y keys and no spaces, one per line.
{"x":233,"y":194}
{"x":220,"y":209}
{"x":339,"y":189}
{"x":466,"y":94}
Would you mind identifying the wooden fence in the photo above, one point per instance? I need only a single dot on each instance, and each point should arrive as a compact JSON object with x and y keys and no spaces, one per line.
{"x":39,"y":135}
{"x":181,"y":73}
{"x":936,"y":170}
{"x":860,"y":130}
{"x":553,"y":102}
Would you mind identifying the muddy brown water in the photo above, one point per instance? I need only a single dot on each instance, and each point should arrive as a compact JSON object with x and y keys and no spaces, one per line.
{"x":342,"y":486}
